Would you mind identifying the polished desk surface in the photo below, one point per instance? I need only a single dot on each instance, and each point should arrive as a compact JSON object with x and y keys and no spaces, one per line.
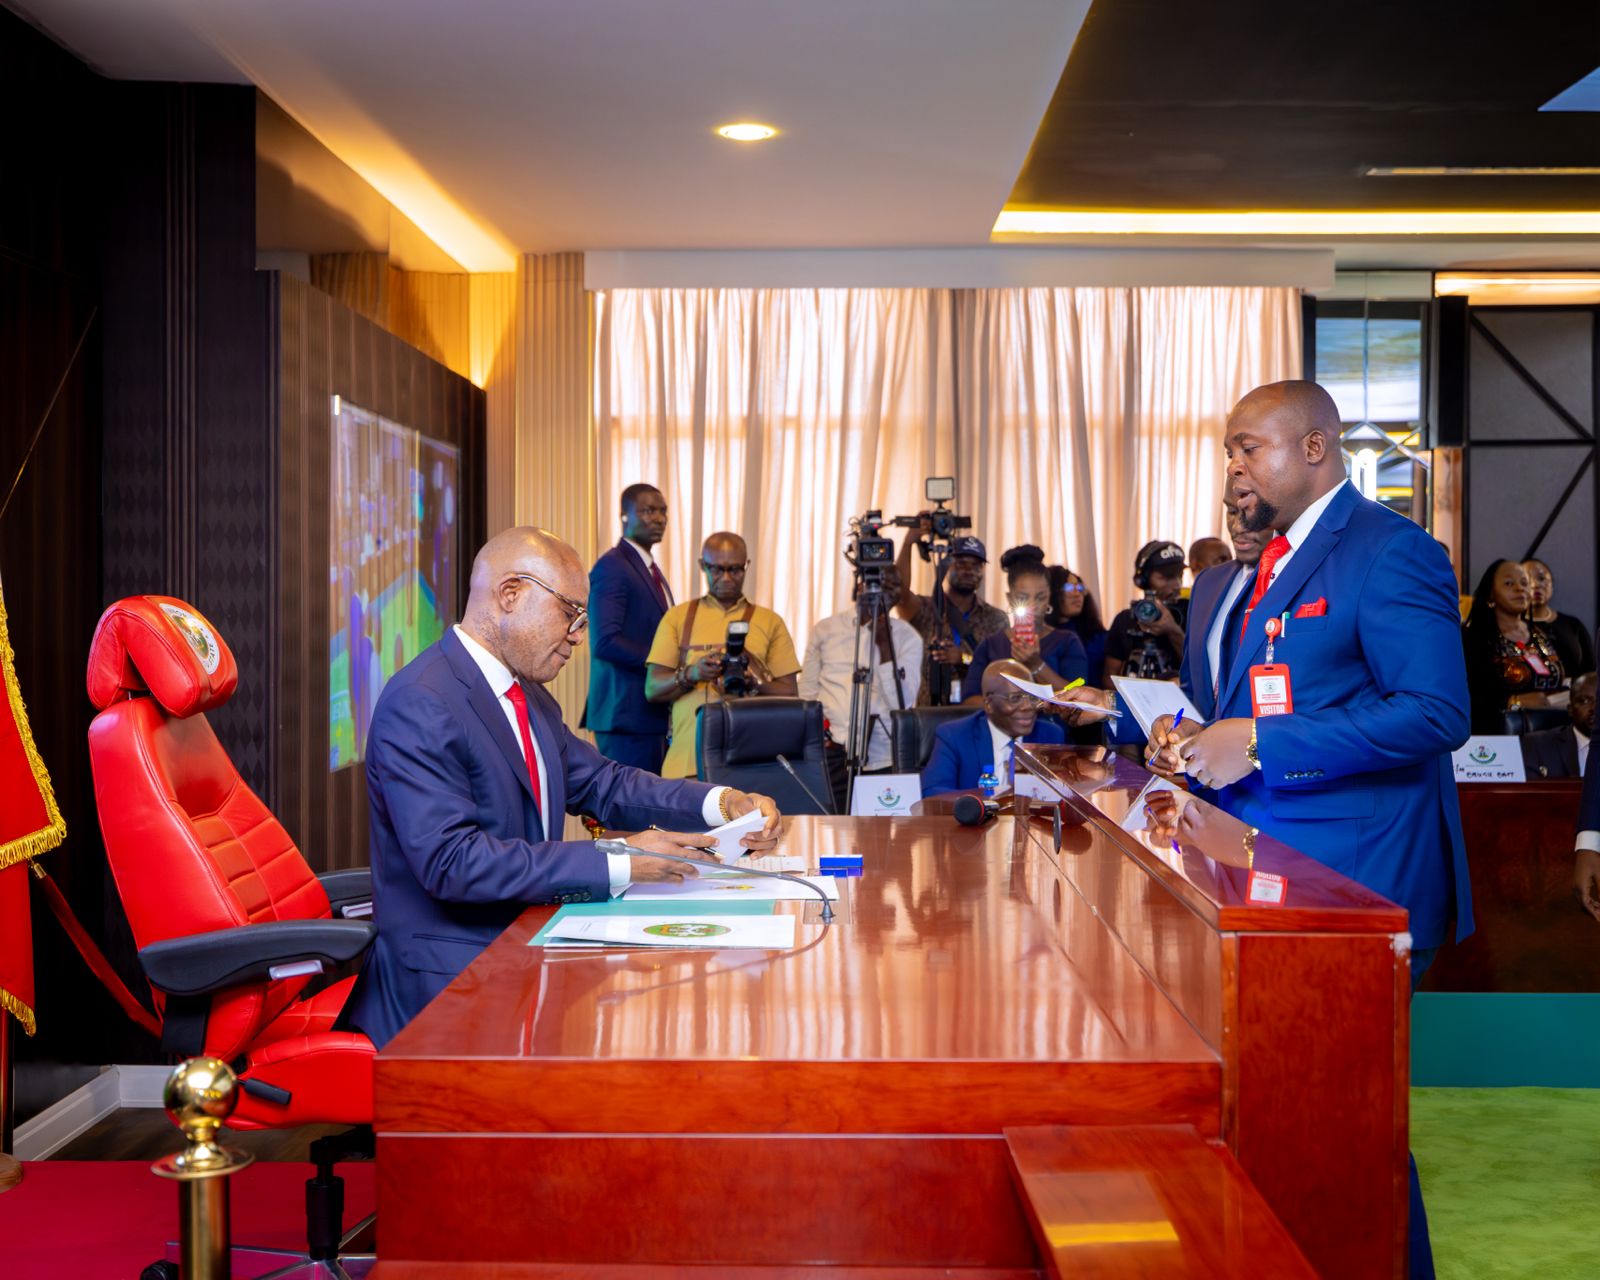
{"x":936,"y":956}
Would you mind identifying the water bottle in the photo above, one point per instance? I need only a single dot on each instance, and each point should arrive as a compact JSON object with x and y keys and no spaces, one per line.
{"x":989,"y":783}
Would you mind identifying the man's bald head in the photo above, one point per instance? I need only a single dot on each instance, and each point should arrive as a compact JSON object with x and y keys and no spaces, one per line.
{"x":1581,"y":707}
{"x":524,"y":624}
{"x":1008,"y":708}
{"x":724,"y":558}
{"x":1283,"y":452}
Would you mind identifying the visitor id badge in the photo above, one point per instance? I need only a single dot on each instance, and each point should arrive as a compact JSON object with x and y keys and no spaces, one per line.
{"x":1539,"y":665}
{"x":1267,"y":889}
{"x":1270,"y":694}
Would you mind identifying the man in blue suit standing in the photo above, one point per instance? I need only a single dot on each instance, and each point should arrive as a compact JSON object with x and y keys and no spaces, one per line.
{"x":470,"y":774}
{"x":965,"y":749}
{"x":628,"y":595}
{"x":1342,"y":686}
{"x":1214,"y":595}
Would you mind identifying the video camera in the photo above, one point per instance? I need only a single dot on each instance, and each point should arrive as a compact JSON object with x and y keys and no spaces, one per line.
{"x":944,"y":524}
{"x":870,"y":554}
{"x":736,"y":682}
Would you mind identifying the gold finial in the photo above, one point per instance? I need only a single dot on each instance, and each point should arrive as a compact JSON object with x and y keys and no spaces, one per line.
{"x":199,"y":1096}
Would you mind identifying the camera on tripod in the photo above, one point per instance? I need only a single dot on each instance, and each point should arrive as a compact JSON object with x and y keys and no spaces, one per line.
{"x":871,"y":555}
{"x":736,"y":681}
{"x":943,"y":523}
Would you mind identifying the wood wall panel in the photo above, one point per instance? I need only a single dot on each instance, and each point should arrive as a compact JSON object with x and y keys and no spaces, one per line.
{"x":326,"y":349}
{"x":493,"y":366}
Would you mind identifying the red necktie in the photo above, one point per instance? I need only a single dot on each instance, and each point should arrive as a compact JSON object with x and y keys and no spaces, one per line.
{"x":519,"y":700}
{"x":1276,"y":550}
{"x":661,"y":585}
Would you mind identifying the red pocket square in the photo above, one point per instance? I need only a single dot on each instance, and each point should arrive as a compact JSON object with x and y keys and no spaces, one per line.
{"x":1318,"y":608}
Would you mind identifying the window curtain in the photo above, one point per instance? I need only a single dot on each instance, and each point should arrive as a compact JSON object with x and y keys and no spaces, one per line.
{"x":1084,"y":420}
{"x":1090,"y":420}
{"x":776,"y":414}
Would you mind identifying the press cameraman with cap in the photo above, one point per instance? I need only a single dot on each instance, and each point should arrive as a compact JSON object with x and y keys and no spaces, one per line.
{"x":688,"y":664}
{"x":1147,"y":639}
{"x":967,"y":620}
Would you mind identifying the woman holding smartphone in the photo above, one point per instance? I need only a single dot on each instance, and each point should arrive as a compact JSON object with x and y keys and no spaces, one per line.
{"x":1053,"y":655}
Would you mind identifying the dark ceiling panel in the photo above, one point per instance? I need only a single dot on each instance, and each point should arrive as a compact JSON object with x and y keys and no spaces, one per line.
{"x":1173,"y":104}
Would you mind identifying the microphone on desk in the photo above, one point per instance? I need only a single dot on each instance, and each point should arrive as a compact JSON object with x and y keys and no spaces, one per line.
{"x":789,"y":769}
{"x":974,"y":811}
{"x":621,"y":846}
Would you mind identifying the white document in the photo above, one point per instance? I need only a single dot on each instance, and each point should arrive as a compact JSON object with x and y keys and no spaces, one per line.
{"x":1489,"y":758}
{"x":1045,"y":693}
{"x":770,"y":932}
{"x":710,"y":888}
{"x":790,"y":862}
{"x":1151,"y":699}
{"x":882,"y":795}
{"x":727,"y":836}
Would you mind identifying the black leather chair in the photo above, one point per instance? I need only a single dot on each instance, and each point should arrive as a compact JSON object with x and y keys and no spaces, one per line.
{"x":738,"y":743}
{"x":1533,"y":719}
{"x":911,"y":734}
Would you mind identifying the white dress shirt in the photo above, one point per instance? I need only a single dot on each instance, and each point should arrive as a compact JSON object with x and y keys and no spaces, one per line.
{"x":1301,"y":529}
{"x":1004,"y":745}
{"x":618,"y":866}
{"x":1236,"y":588}
{"x":828,"y":676}
{"x":1583,"y":749}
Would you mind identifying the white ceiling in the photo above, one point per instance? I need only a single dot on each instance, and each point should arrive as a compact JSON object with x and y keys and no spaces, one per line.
{"x":521,"y":125}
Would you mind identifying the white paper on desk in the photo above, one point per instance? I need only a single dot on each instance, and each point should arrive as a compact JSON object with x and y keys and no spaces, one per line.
{"x":790,"y":862}
{"x":767,"y":932}
{"x":1151,"y":699}
{"x":1045,"y":693}
{"x":728,"y":835}
{"x":749,"y":888}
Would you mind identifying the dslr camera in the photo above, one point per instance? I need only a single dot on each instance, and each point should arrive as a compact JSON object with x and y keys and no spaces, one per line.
{"x":736,"y":681}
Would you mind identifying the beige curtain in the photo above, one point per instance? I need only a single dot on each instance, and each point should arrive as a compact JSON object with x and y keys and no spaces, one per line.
{"x":1087,"y":421}
{"x":1091,"y":419}
{"x":777,"y":414}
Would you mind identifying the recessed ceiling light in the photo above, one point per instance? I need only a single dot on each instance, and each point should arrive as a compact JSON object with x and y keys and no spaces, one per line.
{"x":1483,"y":171}
{"x":747,"y":131}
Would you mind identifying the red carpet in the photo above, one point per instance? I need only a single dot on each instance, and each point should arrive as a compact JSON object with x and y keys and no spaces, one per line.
{"x":106,"y":1219}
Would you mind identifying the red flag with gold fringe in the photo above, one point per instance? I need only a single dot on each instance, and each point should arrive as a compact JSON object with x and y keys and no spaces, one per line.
{"x":30,"y":824}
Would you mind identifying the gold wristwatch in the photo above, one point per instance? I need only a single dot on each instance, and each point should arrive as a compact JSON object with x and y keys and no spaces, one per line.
{"x":1250,"y":752}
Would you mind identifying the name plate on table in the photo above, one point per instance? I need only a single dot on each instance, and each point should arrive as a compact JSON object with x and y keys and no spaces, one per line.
{"x":885,"y":795}
{"x":1490,"y":758}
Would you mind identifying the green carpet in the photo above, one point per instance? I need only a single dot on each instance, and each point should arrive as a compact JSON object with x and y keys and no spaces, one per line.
{"x":1511,"y":1178}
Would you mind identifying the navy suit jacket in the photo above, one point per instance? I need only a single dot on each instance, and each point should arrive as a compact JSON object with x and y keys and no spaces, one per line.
{"x":1205,"y":598}
{"x":964,"y":749}
{"x":1589,"y":803}
{"x":458,"y":846}
{"x":1359,"y":775}
{"x":624,"y":612}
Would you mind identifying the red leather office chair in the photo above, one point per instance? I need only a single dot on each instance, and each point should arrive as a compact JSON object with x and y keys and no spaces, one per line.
{"x":230,"y":921}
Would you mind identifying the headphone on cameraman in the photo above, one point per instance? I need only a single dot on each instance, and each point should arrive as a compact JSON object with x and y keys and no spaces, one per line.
{"x":1147,"y":553}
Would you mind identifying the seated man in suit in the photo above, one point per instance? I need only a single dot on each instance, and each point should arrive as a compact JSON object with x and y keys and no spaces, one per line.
{"x":1564,"y":752}
{"x":965,"y":749}
{"x":628,"y":596}
{"x":470,"y":774}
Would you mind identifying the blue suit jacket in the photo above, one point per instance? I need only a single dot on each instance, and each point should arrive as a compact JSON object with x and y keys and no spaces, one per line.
{"x":458,"y":846}
{"x":1359,"y":775}
{"x":964,"y":749}
{"x":1205,"y":598}
{"x":624,"y":612}
{"x":1589,"y":802}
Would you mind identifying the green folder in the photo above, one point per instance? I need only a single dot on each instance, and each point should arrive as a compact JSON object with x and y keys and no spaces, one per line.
{"x":653,"y":907}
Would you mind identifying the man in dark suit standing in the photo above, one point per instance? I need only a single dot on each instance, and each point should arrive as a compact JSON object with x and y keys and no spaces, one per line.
{"x":1343,"y":684}
{"x":470,"y":774}
{"x":1564,"y":752}
{"x":628,"y":595}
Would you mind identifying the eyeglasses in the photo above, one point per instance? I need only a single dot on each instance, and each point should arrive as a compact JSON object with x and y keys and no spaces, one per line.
{"x":1073,"y":588}
{"x":1012,"y":701}
{"x":724,"y":570}
{"x":577,"y":614}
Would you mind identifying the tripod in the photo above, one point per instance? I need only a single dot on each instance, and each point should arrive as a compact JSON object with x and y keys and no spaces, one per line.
{"x":870,"y":616}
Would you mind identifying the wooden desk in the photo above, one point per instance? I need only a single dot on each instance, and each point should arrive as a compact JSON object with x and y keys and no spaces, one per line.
{"x":845,"y":1102}
{"x":1531,"y":934}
